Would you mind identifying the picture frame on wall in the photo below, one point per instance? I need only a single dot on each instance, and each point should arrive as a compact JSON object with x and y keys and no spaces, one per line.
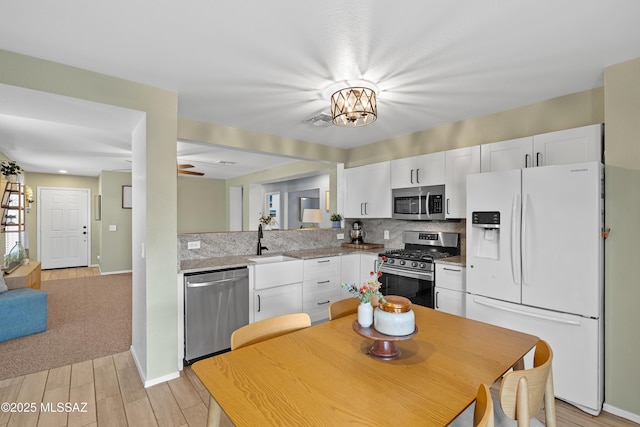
{"x":127,"y":199}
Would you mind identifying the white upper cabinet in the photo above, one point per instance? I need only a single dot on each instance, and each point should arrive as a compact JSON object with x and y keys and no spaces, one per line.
{"x":367,"y":191}
{"x":506,"y":155}
{"x":418,"y":171}
{"x":459,"y":163}
{"x":583,"y":144}
{"x":578,"y":145}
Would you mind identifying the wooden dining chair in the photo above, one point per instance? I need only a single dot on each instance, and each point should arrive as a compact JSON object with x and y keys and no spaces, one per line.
{"x":522,"y":392}
{"x":342,"y":308}
{"x":253,"y":333}
{"x":481,"y":412}
{"x":268,"y":328}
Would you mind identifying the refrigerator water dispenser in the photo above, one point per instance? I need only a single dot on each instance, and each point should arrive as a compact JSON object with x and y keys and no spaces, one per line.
{"x":486,"y":234}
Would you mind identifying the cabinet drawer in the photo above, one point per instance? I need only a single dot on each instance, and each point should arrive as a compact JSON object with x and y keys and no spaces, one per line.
{"x":450,"y":277}
{"x":317,"y":287}
{"x":322,"y":267}
{"x":318,"y":309}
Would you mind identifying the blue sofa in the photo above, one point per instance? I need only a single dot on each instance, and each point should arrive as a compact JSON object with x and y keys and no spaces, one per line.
{"x":22,"y":312}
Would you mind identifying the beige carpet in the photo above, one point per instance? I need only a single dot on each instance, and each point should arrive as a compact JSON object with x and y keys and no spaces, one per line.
{"x":89,"y":317}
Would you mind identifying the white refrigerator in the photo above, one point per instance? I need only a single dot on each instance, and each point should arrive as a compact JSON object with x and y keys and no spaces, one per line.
{"x":535,"y":264}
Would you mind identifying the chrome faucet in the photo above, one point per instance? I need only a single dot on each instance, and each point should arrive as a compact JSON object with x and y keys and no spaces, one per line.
{"x":260,"y":236}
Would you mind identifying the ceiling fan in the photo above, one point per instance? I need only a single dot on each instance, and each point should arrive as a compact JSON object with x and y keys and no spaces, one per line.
{"x":182,"y":169}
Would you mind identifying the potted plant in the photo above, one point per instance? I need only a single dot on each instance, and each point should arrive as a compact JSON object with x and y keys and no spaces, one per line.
{"x":11,"y":170}
{"x":335,"y":219}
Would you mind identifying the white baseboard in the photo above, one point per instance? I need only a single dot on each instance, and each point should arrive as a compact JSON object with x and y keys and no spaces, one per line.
{"x":115,"y":272}
{"x":154,"y":381}
{"x":621,"y":413}
{"x":162,"y":379}
{"x":135,"y":360}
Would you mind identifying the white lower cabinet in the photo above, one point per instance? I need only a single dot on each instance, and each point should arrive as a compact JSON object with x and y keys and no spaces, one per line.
{"x":368,"y":264}
{"x":276,"y":301}
{"x":276,"y":289}
{"x":350,"y":273}
{"x":356,"y":269}
{"x":450,"y":289}
{"x":321,"y":286}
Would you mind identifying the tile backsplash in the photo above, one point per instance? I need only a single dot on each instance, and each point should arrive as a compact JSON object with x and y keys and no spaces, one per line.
{"x":375,"y":228}
{"x":245,"y":242}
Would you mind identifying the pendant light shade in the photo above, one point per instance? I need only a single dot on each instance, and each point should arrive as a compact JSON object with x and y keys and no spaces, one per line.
{"x":354,"y":106}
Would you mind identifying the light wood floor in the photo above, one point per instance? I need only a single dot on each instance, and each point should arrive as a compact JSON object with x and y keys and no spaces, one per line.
{"x":67,"y":273}
{"x":114,"y":395}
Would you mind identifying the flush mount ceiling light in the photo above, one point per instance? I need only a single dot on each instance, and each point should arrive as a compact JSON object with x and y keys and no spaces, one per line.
{"x":354,"y":106}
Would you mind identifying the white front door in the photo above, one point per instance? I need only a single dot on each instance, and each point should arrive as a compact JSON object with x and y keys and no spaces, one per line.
{"x":63,"y":224}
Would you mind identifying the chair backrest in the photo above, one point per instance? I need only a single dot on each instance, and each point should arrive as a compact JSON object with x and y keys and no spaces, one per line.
{"x":342,"y":308}
{"x":483,"y":412}
{"x":523,"y":392}
{"x":268,"y":328}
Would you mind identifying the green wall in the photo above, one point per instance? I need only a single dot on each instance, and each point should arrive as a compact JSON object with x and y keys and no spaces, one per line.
{"x":622,"y":293}
{"x":115,"y":252}
{"x":202,"y":205}
{"x":154,"y":265}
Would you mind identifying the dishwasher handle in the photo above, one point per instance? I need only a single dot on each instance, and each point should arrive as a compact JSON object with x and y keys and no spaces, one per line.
{"x":213,"y":282}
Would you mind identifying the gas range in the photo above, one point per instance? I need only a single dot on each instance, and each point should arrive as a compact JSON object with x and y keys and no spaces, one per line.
{"x":421,"y":249}
{"x":410,"y":272}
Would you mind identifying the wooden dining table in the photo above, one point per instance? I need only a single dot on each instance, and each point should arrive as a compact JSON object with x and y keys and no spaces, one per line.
{"x":324,"y":376}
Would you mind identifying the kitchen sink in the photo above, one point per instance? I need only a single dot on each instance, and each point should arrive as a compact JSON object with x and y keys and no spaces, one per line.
{"x":275,"y":270}
{"x":272,"y":259}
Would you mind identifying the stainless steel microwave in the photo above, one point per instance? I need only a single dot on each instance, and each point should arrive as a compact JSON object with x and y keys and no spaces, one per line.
{"x":419,"y":203}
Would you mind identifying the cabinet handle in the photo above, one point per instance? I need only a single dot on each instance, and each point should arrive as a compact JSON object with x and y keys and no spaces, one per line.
{"x":451,"y":269}
{"x":361,"y":208}
{"x":417,"y":176}
{"x":526,"y":160}
{"x":365,"y":208}
{"x":324,"y":281}
{"x":538,"y":159}
{"x":258,"y":303}
{"x":323,"y":303}
{"x":324,"y":260}
{"x":411,"y":179}
{"x":437,"y":305}
{"x":448,"y":207}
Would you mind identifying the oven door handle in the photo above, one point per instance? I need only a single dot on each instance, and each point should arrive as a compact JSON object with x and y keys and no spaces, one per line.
{"x":409,"y":274}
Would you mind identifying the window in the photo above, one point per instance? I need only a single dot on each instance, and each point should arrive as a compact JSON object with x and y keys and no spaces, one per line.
{"x":10,"y":241}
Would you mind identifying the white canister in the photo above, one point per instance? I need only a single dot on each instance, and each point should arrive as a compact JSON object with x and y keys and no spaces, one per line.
{"x":394,"y":317}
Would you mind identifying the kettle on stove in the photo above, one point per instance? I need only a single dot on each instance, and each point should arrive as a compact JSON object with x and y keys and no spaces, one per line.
{"x":357,"y":233}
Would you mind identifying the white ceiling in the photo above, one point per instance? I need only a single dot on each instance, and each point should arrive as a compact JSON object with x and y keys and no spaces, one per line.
{"x":266,"y":66}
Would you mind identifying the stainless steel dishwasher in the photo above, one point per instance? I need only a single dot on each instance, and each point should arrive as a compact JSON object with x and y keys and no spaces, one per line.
{"x":215,"y":304}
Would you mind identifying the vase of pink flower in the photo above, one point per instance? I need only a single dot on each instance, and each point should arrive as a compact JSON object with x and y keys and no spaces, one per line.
{"x":365,"y":293}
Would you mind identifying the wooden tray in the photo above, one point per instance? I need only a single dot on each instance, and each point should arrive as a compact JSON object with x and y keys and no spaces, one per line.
{"x":363,"y":246}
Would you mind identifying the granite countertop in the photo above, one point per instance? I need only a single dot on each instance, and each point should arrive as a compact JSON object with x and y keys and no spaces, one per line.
{"x":218,"y":263}
{"x":458,"y":260}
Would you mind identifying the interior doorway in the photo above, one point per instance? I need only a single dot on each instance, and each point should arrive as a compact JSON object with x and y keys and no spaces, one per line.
{"x":64,"y":236}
